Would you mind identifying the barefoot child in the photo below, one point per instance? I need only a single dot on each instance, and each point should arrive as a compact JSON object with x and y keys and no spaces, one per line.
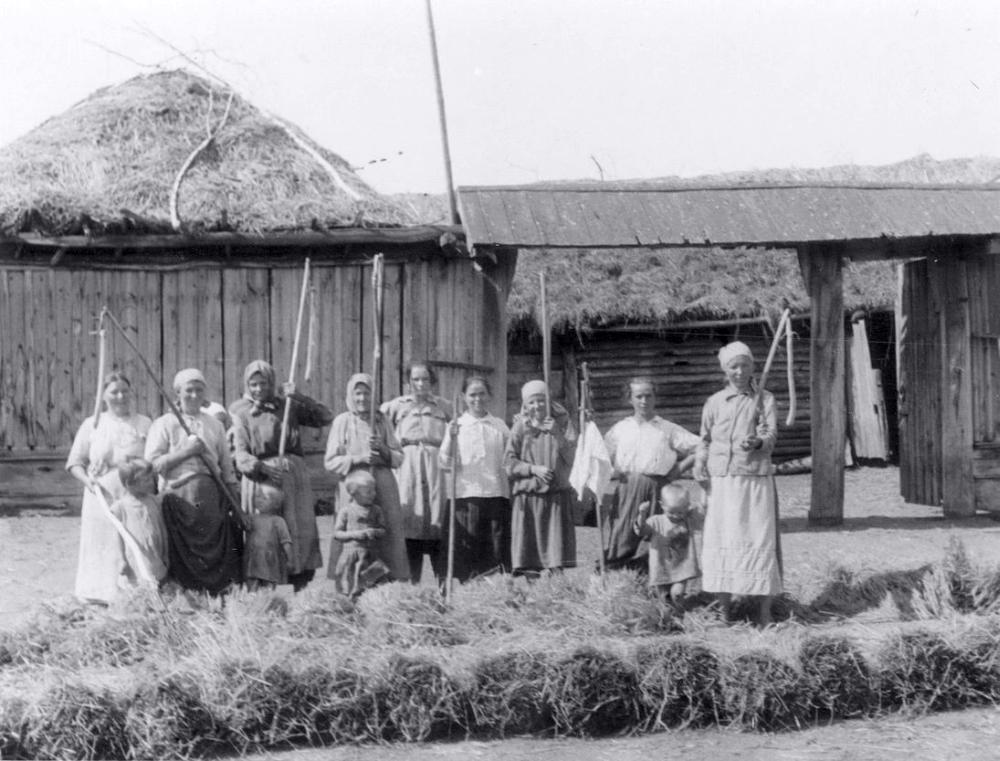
{"x":359,"y":524}
{"x":139,"y":511}
{"x":673,"y":560}
{"x":269,"y":543}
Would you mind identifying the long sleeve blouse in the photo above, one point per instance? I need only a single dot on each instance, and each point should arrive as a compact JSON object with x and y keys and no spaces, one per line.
{"x":167,"y":436}
{"x":529,"y":445}
{"x":110,"y":444}
{"x":257,"y":429}
{"x":651,"y":447}
{"x":348,"y":443}
{"x":482,"y":442}
{"x":729,"y":416}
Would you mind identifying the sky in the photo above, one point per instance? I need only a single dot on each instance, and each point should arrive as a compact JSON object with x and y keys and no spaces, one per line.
{"x":547,"y":89}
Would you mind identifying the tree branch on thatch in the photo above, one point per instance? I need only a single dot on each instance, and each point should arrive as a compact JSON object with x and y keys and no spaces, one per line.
{"x":175,"y":220}
{"x":330,"y":169}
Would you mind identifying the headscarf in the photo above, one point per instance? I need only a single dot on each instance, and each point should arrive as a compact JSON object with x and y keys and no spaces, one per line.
{"x":188,"y":376}
{"x":260,"y":367}
{"x":731,"y":351}
{"x":533,"y":388}
{"x":356,"y":380}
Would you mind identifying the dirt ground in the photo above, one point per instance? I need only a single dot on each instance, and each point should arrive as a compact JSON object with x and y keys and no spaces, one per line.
{"x":38,"y":551}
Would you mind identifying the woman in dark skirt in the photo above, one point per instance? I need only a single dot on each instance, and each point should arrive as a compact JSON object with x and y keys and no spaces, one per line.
{"x":538,"y":459}
{"x":205,"y":540}
{"x":482,"y":507}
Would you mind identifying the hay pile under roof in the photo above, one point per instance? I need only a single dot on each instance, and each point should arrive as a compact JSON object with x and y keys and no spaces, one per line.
{"x":108,"y":164}
{"x":600,"y":287}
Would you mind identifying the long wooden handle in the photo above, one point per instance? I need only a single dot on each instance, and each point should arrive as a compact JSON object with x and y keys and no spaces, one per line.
{"x":453,"y":503}
{"x":378,"y":285}
{"x":101,"y":363}
{"x":295,"y":358}
{"x":234,"y":503}
{"x":782,"y":325}
{"x":791,"y":374}
{"x":142,"y":569}
{"x":546,"y":346}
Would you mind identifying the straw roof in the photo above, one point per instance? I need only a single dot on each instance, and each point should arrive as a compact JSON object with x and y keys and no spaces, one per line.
{"x":593,"y":287}
{"x":109,"y":163}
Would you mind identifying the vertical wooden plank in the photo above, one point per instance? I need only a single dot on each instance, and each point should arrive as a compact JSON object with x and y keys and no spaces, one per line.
{"x":134,"y":298}
{"x":246,"y":322}
{"x":417,"y":311}
{"x":67,"y":392}
{"x":192,"y":326}
{"x":904,"y":378}
{"x":392,"y":326}
{"x":7,"y":343}
{"x":950,"y":274}
{"x":823,"y":274}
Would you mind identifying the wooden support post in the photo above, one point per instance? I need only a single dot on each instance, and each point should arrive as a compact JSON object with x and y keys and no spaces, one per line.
{"x":948,"y":276}
{"x":822,"y":270}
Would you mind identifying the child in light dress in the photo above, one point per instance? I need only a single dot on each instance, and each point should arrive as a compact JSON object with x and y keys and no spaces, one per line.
{"x":673,"y":558}
{"x":138,"y":508}
{"x":269,"y":543}
{"x":358,"y":526}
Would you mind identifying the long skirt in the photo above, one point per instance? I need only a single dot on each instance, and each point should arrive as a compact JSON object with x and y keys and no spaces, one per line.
{"x":205,"y":543}
{"x":542,"y":531}
{"x":623,"y":546}
{"x":390,"y":547}
{"x":299,"y":513}
{"x":102,"y":563}
{"x":741,"y":552}
{"x":482,"y":536}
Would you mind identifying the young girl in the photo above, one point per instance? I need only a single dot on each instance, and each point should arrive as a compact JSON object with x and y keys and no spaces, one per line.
{"x":359,"y":524}
{"x":269,"y":543}
{"x":741,"y":553}
{"x":538,"y":459}
{"x":673,"y":560}
{"x":138,"y":509}
{"x":482,"y":507}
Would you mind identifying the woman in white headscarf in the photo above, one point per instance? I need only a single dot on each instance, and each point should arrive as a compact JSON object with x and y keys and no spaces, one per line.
{"x":742,"y":549}
{"x":353,"y":444}
{"x":538,"y":460}
{"x":205,"y":539}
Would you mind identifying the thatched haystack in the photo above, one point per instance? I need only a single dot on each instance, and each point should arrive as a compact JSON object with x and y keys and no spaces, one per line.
{"x":109,"y":164}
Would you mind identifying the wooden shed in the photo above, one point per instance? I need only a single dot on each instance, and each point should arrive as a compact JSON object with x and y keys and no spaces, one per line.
{"x":85,"y":221}
{"x":947,"y":236}
{"x":665,"y":316}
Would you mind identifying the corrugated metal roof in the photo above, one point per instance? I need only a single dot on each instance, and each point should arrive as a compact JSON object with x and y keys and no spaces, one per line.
{"x":613,"y":215}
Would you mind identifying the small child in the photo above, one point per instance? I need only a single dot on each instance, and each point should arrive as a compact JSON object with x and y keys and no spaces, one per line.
{"x":673,"y":560}
{"x":138,"y":508}
{"x":269,"y":544}
{"x":358,"y":526}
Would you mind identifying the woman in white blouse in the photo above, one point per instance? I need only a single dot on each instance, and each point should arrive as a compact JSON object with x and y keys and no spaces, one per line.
{"x":647,"y":452}
{"x":482,"y":505}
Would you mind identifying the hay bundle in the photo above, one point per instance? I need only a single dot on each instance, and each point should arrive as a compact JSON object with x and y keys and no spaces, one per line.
{"x":13,"y":727}
{"x":508,"y":695}
{"x":170,"y":720}
{"x":680,"y":685}
{"x":112,"y":641}
{"x":417,"y":701}
{"x":837,"y":678}
{"x":317,"y":615}
{"x":489,"y":604}
{"x":980,"y":648}
{"x":593,"y":693}
{"x":621,"y":603}
{"x":346,"y":709}
{"x":76,"y":721}
{"x":922,"y":671}
{"x":762,"y":692}
{"x":404,"y":614}
{"x":109,"y":164}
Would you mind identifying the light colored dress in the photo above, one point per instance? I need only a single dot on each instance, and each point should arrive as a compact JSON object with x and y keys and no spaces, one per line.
{"x":482,"y":509}
{"x":359,"y":565}
{"x":100,"y":451}
{"x":348,"y":441}
{"x":644,"y":451}
{"x":673,"y":557}
{"x":741,"y":550}
{"x":143,"y":519}
{"x":419,"y":428}
{"x":268,"y":548}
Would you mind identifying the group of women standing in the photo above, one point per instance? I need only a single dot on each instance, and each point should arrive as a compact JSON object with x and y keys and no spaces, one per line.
{"x":513,"y":507}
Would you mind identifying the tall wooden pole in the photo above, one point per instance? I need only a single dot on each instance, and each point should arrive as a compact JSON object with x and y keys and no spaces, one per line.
{"x":822,"y":270}
{"x":102,"y":359}
{"x":295,"y":358}
{"x":453,"y":502}
{"x":452,"y":203}
{"x":546,"y":346}
{"x":378,"y":294}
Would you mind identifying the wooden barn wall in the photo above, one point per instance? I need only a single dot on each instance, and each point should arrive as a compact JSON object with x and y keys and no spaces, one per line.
{"x":684,"y":365}
{"x":218,"y":319}
{"x":919,"y":386}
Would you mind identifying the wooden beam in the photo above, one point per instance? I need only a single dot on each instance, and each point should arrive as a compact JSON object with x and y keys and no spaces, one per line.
{"x":949,"y":276}
{"x":823,"y":275}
